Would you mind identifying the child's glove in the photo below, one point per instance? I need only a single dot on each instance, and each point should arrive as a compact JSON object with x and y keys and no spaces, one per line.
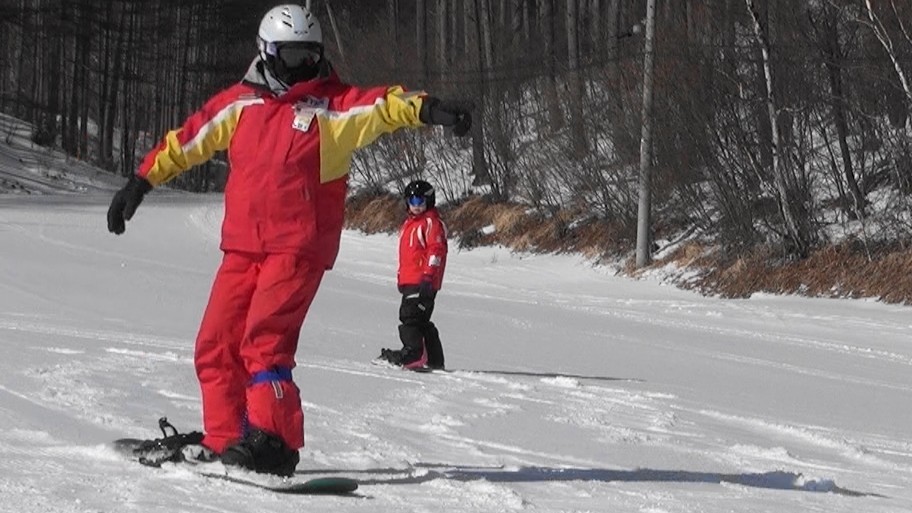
{"x":425,"y":289}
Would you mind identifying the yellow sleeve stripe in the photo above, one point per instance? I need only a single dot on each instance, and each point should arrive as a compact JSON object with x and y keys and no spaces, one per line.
{"x":175,"y":157}
{"x":215,"y":123}
{"x":344,"y":131}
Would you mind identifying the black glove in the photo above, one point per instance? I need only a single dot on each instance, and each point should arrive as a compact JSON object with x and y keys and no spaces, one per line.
{"x":426,"y":289}
{"x":457,"y":114}
{"x":125,"y":202}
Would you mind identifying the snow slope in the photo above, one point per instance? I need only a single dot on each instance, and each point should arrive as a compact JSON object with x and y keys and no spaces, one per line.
{"x":572,"y":390}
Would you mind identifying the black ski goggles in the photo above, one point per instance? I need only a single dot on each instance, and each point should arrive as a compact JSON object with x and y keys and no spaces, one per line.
{"x":295,"y":54}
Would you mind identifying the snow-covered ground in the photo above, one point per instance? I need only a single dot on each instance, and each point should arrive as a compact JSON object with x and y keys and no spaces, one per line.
{"x":572,"y":390}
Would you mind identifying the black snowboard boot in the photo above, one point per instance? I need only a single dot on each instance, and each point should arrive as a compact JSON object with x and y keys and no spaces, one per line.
{"x":434,"y":347}
{"x":407,"y":357}
{"x":262,"y":452}
{"x":393,"y":356}
{"x":413,"y":357}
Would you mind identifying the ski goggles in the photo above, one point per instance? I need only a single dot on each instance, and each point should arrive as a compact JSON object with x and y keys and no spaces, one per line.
{"x":416,"y":201}
{"x":296,"y":54}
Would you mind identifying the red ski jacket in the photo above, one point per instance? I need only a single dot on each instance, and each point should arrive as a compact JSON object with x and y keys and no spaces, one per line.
{"x":289,"y":157}
{"x":422,"y":249}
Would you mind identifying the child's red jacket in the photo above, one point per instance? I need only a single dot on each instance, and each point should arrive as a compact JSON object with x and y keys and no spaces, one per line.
{"x":422,"y":249}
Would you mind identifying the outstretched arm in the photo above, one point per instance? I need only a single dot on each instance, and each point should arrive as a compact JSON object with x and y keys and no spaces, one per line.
{"x":204,"y":133}
{"x":363,"y":115}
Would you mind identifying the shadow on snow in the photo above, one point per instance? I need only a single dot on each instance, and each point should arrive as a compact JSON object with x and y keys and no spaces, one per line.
{"x":421,"y":473}
{"x":550,"y":375}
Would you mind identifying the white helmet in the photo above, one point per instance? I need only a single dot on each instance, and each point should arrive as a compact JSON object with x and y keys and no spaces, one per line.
{"x":291,"y":44}
{"x":290,"y":23}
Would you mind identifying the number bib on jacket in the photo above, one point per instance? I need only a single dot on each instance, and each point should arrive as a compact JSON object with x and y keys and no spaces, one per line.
{"x":306,"y":110}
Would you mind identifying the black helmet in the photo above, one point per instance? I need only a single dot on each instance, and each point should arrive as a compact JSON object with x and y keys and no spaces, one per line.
{"x":420,"y":189}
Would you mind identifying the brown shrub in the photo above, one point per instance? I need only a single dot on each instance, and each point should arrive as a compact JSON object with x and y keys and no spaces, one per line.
{"x":598,"y":238}
{"x":470,"y":215}
{"x":374,"y":213}
{"x":839,"y":271}
{"x":686,"y":254}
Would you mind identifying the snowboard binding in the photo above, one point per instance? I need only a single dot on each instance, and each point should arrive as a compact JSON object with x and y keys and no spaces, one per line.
{"x":154,"y":452}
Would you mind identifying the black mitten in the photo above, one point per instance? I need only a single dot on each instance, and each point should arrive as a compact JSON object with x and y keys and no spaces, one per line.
{"x":125,"y":202}
{"x":425,"y":289}
{"x":457,"y":114}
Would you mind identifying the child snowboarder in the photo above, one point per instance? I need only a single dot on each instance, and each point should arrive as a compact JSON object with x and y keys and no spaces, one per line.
{"x":422,"y":260}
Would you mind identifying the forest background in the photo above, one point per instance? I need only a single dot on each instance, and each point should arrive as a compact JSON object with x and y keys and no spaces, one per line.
{"x":781,"y":155}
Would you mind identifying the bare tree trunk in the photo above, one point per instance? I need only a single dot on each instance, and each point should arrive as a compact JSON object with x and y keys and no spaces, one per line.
{"x":421,"y":40}
{"x":797,"y":234}
{"x":335,"y":28}
{"x":888,"y":45}
{"x":85,"y":56}
{"x":454,"y":19}
{"x":115,"y":86}
{"x":392,"y":24}
{"x":611,"y":41}
{"x":104,"y":90}
{"x":526,"y":21}
{"x":514,"y":29}
{"x":129,"y":131}
{"x":501,"y":7}
{"x":552,"y":98}
{"x":486,"y":39}
{"x":828,"y":36}
{"x":481,"y":175}
{"x":575,"y":83}
{"x":442,"y":35}
{"x":644,"y":208}
{"x":469,"y":16}
{"x":52,"y":60}
{"x":71,"y":123}
{"x":595,"y":21}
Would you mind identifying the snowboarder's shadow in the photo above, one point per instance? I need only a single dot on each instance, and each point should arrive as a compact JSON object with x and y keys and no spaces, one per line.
{"x":546,"y":375}
{"x":421,"y":473}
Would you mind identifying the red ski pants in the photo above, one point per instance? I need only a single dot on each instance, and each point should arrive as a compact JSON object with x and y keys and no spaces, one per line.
{"x":251,"y":327}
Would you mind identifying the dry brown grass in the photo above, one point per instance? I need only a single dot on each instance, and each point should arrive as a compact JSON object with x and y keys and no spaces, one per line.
{"x":835,"y":271}
{"x":840,"y":271}
{"x":374,"y":213}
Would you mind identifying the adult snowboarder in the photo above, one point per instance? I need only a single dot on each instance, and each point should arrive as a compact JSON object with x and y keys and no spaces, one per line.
{"x":290,"y":128}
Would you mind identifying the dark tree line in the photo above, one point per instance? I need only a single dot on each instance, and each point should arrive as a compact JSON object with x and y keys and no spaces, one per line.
{"x":772,"y":118}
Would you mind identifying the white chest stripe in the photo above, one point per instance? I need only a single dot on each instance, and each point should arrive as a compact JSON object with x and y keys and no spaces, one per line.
{"x":354,"y":111}
{"x":420,"y":233}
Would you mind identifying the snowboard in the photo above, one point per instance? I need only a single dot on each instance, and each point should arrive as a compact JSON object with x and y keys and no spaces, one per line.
{"x":385,"y":364}
{"x":329,"y":485}
{"x":428,"y":370}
